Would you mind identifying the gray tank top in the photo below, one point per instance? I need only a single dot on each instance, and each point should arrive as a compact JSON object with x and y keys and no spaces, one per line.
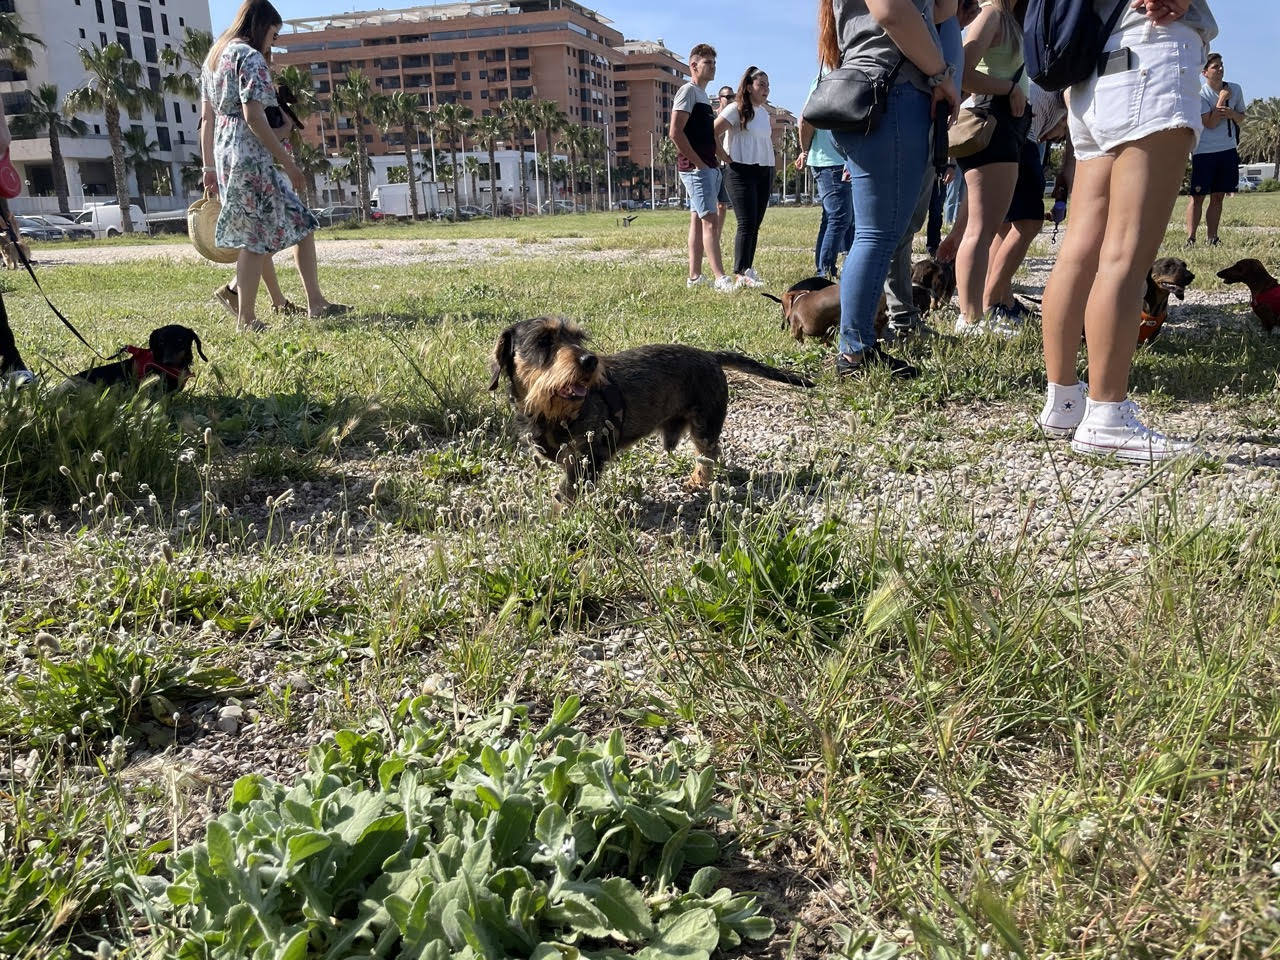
{"x":865,"y":45}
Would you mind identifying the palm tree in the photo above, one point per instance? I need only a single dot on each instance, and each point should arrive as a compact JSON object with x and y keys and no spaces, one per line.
{"x":45,"y":116}
{"x":355,"y":95}
{"x":113,"y":82}
{"x":402,"y":110}
{"x":16,"y":43}
{"x":452,"y":121}
{"x":312,"y":161}
{"x":667,"y":154}
{"x":299,"y":81}
{"x":593,"y":146}
{"x":471,"y":167}
{"x":518,"y":115}
{"x":1260,"y":136}
{"x":140,"y":157}
{"x":192,"y":173}
{"x":487,"y":132}
{"x":571,"y":140}
{"x":447,"y":174}
{"x":186,"y":63}
{"x":548,"y":117}
{"x":358,"y":163}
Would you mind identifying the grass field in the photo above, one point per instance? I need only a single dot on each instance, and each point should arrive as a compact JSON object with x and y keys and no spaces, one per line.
{"x":967,"y":695}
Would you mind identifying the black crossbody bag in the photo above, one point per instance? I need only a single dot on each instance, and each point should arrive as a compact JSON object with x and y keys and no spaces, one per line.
{"x":850,"y":100}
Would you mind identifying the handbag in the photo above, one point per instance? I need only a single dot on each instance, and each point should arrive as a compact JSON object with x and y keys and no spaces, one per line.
{"x":976,"y":125}
{"x":850,"y":100}
{"x":10,"y":180}
{"x":202,"y":223}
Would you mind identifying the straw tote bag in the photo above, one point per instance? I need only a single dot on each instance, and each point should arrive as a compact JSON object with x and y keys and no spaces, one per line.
{"x":202,"y":221}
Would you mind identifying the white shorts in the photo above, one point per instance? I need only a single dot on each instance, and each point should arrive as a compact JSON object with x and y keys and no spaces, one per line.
{"x":1160,"y":92}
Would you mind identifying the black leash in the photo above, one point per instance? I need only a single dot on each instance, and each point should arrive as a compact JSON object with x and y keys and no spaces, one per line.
{"x":17,"y":248}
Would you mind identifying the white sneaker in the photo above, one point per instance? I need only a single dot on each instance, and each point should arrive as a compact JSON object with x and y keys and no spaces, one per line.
{"x":750,"y":274}
{"x":698,"y":281}
{"x":17,"y":379}
{"x":1114,"y":430}
{"x":747,"y":282}
{"x":725,"y":284}
{"x":1063,"y":410}
{"x":994,"y":323}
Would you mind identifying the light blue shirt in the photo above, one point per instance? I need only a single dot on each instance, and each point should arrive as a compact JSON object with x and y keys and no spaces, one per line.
{"x":822,"y":148}
{"x":1226,"y":135}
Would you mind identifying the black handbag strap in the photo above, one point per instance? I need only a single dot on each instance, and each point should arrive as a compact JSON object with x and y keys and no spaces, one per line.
{"x":17,"y":246}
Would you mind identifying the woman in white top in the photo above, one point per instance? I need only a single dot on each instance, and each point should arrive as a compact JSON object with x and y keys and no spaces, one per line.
{"x":748,"y":133}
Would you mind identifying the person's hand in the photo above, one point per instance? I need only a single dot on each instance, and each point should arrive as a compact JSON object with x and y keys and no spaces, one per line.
{"x":1017,"y":101}
{"x":801,"y":159}
{"x":1162,"y":12}
{"x":294,"y":173}
{"x":949,"y":177}
{"x":947,"y":248}
{"x":845,"y":175}
{"x":947,"y":94}
{"x":210,"y":180}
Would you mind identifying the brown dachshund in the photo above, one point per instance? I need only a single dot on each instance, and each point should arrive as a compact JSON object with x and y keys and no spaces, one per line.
{"x":1167,"y":275}
{"x":811,"y":308}
{"x":1264,"y":290}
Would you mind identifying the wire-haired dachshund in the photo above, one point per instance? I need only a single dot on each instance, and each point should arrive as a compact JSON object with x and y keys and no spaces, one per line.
{"x":168,"y":356}
{"x":579,"y":408}
{"x":1264,"y":290}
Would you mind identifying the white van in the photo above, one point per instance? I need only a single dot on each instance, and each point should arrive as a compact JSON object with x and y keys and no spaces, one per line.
{"x":104,"y":219}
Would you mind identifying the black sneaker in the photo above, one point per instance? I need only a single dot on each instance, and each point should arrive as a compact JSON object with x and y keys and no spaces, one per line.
{"x":1214,"y":241}
{"x":846,"y":367}
{"x":898,"y":369}
{"x":1191,"y":241}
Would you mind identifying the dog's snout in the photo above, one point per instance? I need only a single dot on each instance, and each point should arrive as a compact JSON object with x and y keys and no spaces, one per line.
{"x":588,"y":362}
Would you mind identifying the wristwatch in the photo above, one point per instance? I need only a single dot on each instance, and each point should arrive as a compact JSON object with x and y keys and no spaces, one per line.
{"x":938,"y":79}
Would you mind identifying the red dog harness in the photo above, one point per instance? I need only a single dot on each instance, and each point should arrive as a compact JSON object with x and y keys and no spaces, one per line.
{"x":1149,"y":329}
{"x":1270,"y":299}
{"x":144,"y":362}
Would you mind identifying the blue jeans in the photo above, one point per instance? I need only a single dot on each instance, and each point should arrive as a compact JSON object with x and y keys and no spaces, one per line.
{"x":835,"y":233}
{"x":888,"y":168}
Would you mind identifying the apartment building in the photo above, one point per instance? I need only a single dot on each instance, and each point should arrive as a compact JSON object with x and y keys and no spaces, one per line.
{"x":144,"y":28}
{"x":480,"y":54}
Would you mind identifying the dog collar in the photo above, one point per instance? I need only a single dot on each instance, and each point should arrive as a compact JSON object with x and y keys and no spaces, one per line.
{"x":1150,"y":325}
{"x":144,"y":362}
{"x":1268,"y":298}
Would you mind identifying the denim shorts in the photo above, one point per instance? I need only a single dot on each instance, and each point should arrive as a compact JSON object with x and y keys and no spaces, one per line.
{"x":703,"y":187}
{"x":1161,"y":91}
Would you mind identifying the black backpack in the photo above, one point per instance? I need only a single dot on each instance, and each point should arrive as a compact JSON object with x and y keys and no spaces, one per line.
{"x":1063,"y":41}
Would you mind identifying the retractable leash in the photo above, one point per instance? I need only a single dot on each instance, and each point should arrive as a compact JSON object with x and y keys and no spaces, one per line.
{"x":17,"y":246}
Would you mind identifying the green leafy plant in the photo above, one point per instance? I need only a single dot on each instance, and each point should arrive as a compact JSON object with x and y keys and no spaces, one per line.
{"x":107,"y":691}
{"x":416,"y":839}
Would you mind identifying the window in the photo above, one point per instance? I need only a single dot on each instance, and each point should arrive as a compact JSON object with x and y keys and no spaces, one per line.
{"x":182,"y":21}
{"x":484,"y":75}
{"x":484,"y":95}
{"x":102,"y":39}
{"x":144,"y":17}
{"x":466,"y":75}
{"x":177,"y":112}
{"x":149,"y":49}
{"x":443,"y":59}
{"x":466,"y":95}
{"x":123,"y":40}
{"x":121,"y":13}
{"x":162,"y":138}
{"x":164,"y":24}
{"x":464,"y":57}
{"x":153,"y":80}
{"x":82,"y":36}
{"x":98,"y":5}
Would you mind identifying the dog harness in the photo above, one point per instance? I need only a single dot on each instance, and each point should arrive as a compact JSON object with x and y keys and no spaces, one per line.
{"x":1149,"y":329}
{"x":1270,"y":299}
{"x":144,"y":362}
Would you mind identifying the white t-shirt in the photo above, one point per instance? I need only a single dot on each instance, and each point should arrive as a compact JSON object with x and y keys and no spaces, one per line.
{"x":751,"y":145}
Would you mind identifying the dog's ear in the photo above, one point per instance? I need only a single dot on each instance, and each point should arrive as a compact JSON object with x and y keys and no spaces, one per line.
{"x":504,"y":357}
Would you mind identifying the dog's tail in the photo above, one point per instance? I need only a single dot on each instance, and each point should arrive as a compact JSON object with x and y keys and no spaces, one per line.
{"x":770,"y":296}
{"x":736,"y":361}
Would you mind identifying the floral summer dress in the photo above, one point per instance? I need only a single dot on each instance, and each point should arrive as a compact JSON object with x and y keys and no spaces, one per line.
{"x":260,"y":210}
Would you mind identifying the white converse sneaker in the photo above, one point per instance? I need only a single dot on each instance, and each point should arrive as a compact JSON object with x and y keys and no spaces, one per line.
{"x":17,"y":379}
{"x":698,"y":281}
{"x":725,"y":284}
{"x":997,"y":324}
{"x":1114,"y":430}
{"x":746,"y":281}
{"x":1063,"y":410}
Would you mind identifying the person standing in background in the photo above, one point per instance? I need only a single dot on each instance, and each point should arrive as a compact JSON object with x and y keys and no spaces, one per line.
{"x":1215,"y":163}
{"x":748,"y":132}
{"x":835,"y":193}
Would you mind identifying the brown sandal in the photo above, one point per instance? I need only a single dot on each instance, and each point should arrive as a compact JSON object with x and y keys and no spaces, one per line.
{"x":331,"y":310}
{"x":288,"y":309}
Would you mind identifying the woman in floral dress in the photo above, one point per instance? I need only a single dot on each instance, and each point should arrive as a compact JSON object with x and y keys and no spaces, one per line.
{"x":261,"y":213}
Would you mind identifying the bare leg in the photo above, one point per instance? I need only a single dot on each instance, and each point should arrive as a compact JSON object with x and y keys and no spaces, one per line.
{"x":1194,"y":207}
{"x":990,"y":192}
{"x":711,"y":243}
{"x":1067,"y":291}
{"x":1144,"y":185}
{"x":1014,"y":240}
{"x":695,"y":245}
{"x":304,"y":255}
{"x":248,"y":275}
{"x":1214,"y":216}
{"x":272,"y":282}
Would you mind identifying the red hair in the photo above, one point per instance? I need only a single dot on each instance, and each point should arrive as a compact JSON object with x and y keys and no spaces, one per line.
{"x":828,"y":36}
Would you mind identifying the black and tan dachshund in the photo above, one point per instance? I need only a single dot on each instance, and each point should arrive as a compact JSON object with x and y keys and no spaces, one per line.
{"x":168,"y":356}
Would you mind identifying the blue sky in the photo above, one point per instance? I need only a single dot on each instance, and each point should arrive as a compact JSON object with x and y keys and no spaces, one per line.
{"x":779,"y":37}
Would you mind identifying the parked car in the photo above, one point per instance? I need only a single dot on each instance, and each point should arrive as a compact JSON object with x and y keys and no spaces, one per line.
{"x":68,"y":227}
{"x":469,"y":211}
{"x":338,"y":213}
{"x":105,"y":221}
{"x":1249,"y":184}
{"x":632,"y":205}
{"x":35,"y":230}
{"x":556,"y":206}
